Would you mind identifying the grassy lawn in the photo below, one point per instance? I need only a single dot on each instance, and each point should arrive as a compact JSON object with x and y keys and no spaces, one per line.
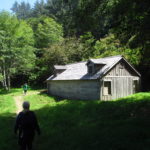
{"x":7,"y":117}
{"x":77,"y":125}
{"x":81,"y":125}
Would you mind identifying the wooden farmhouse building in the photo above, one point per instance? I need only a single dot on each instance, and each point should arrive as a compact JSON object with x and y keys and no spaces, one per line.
{"x":105,"y":79}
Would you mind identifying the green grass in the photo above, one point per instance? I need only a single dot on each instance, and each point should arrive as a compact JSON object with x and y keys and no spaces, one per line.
{"x":7,"y":117}
{"x":76,"y":125}
{"x":81,"y":125}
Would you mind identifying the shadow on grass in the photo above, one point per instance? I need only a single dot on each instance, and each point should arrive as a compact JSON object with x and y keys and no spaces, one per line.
{"x":8,"y":140}
{"x":76,"y":125}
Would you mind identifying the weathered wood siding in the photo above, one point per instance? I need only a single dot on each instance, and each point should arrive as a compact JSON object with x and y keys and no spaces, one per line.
{"x":121,"y":69}
{"x":122,"y":82}
{"x":77,"y":89}
{"x":119,"y":82}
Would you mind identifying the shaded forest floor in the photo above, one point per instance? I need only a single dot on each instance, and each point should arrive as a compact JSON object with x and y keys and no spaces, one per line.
{"x":77,"y":125}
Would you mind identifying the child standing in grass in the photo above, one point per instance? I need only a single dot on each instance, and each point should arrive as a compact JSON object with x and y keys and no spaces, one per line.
{"x":25,"y":88}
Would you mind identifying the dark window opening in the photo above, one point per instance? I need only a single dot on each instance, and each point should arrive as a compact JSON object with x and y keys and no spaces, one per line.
{"x":107,"y":88}
{"x":135,"y":86}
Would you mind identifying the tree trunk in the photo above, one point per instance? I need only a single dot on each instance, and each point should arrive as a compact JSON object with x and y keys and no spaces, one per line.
{"x":8,"y":81}
{"x":4,"y":79}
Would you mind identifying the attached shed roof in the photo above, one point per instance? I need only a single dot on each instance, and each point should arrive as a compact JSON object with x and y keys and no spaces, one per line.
{"x":78,"y":71}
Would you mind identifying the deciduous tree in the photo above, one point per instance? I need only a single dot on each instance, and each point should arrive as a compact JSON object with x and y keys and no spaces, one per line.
{"x":16,"y":47}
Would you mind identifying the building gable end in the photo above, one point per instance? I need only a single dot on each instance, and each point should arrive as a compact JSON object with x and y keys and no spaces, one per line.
{"x":122,"y":68}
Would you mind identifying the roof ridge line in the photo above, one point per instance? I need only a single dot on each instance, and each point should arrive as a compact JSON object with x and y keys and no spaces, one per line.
{"x":93,"y":59}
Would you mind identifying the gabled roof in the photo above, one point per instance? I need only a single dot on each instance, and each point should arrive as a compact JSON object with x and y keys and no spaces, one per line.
{"x":78,"y":71}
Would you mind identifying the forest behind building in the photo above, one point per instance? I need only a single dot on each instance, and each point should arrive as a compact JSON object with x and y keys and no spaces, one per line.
{"x":33,"y":39}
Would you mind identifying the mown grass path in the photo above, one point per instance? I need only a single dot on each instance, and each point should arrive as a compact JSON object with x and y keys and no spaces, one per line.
{"x":18,"y":101}
{"x":20,"y":98}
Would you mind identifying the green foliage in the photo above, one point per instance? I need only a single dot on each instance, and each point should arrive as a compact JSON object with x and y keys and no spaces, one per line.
{"x":1,"y":77}
{"x":71,"y":49}
{"x":87,"y":41}
{"x":17,"y":42}
{"x":63,"y":11}
{"x":132,"y":23}
{"x":46,"y":31}
{"x":121,"y":25}
{"x":108,"y":46}
{"x":67,"y":51}
{"x":128,"y":20}
{"x":16,"y":46}
{"x":111,"y":46}
{"x":22,"y":10}
{"x":39,"y":9}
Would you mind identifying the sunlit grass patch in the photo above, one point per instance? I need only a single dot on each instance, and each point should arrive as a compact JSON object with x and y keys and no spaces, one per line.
{"x":7,"y":104}
{"x":137,"y":96}
{"x":7,"y":118}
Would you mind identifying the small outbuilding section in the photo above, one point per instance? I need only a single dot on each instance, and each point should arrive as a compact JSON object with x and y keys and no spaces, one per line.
{"x":104,"y":79}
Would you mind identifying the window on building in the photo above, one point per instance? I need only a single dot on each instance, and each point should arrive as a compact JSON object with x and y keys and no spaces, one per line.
{"x":90,"y":69}
{"x":135,"y":86}
{"x":107,"y":88}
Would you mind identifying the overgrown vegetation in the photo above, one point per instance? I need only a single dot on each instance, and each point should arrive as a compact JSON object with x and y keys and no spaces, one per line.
{"x":77,"y":125}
